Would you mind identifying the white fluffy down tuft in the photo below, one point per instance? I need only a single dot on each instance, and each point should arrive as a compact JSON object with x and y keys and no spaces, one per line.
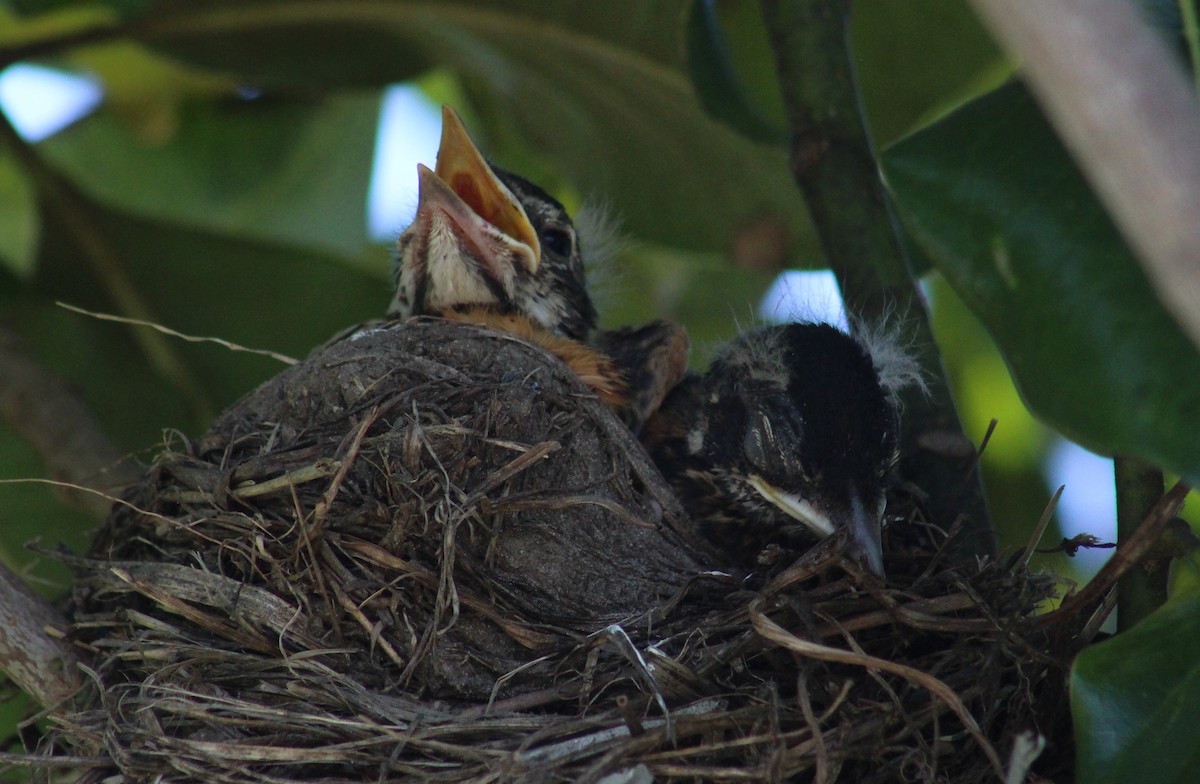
{"x":598,"y":230}
{"x":892,"y":355}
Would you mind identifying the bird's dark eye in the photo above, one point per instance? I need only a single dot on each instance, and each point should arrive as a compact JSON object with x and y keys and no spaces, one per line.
{"x":557,"y":240}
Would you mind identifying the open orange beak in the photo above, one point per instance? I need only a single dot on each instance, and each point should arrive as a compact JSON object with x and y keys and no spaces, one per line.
{"x":462,"y":168}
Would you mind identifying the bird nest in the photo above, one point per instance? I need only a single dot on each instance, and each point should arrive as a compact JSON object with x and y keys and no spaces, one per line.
{"x":428,"y":552}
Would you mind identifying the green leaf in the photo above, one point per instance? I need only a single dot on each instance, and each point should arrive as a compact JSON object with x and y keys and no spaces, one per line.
{"x":995,"y":201}
{"x":918,"y":59}
{"x":287,"y":171}
{"x":598,"y":89}
{"x":1135,"y":700}
{"x":19,"y":222}
{"x":715,"y":74}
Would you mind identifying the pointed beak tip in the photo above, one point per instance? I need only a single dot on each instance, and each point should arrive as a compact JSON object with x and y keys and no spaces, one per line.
{"x":464,"y":170}
{"x":866,"y":538}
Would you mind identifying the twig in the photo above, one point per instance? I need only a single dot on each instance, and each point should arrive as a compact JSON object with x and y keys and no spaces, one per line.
{"x":1040,"y":529}
{"x":1126,"y":556}
{"x":1123,"y":104}
{"x":262,"y":352}
{"x":780,"y":636}
{"x":835,"y":167}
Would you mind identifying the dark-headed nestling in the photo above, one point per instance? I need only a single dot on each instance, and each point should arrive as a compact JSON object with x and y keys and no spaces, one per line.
{"x":787,"y":439}
{"x":490,"y":247}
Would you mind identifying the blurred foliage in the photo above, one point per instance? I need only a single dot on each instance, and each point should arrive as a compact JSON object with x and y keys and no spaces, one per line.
{"x":994,"y":199}
{"x":222,"y":187}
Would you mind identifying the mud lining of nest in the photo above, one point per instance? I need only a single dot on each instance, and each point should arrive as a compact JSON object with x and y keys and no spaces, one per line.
{"x":427,"y":552}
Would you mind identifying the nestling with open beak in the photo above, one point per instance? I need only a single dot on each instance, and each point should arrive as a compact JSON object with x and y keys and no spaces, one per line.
{"x":489,"y":247}
{"x":787,"y":439}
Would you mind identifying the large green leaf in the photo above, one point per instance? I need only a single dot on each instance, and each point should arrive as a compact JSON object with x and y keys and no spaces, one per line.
{"x":598,"y":89}
{"x":1136,"y":701}
{"x":994,"y":199}
{"x":289,"y":171}
{"x":728,"y":56}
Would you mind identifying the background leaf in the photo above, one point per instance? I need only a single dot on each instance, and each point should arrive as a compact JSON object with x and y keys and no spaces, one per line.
{"x":995,"y":201}
{"x":261,"y":295}
{"x":613,"y":111}
{"x":247,"y":168}
{"x":713,"y":29}
{"x":918,"y":59}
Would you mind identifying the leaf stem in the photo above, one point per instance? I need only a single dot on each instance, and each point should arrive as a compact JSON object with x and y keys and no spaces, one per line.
{"x":835,"y":167}
{"x":1144,"y":588}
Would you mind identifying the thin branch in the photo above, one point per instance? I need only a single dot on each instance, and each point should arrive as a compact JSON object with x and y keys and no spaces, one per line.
{"x":235,"y":347}
{"x":1122,"y":102}
{"x":31,"y":654}
{"x":834,"y":164}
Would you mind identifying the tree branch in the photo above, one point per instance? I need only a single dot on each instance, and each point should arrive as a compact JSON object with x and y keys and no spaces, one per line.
{"x":1142,"y":590}
{"x":39,"y":662}
{"x":1123,"y":105}
{"x":834,"y":164}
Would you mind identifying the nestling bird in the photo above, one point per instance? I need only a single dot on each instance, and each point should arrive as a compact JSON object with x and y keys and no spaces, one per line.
{"x":490,"y":247}
{"x":787,"y":439}
{"x":484,"y":237}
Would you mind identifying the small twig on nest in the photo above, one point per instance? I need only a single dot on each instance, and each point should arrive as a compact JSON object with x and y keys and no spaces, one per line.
{"x":1040,"y":529}
{"x":348,"y":454}
{"x":1126,"y":556}
{"x":511,"y":469}
{"x":320,"y":469}
{"x":782,"y":637}
{"x":619,"y":639}
{"x":372,"y":630}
